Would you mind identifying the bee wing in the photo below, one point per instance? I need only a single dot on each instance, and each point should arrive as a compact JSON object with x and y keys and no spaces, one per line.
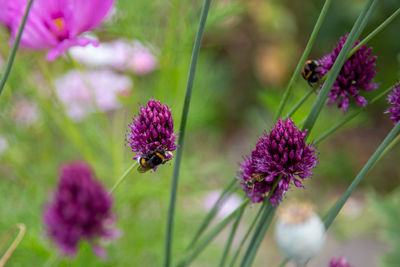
{"x":142,"y":169}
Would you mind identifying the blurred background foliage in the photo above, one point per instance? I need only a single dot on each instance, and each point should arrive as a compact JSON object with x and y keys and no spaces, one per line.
{"x":250,"y":49}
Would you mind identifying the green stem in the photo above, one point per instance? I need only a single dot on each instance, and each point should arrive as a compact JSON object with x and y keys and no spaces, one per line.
{"x":211,"y":214}
{"x":185,"y":111}
{"x":14,"y":49}
{"x":253,"y":223}
{"x":376,"y":31}
{"x":300,"y":103}
{"x":355,"y":32}
{"x":350,"y":116}
{"x":284,"y":262}
{"x":390,"y":146}
{"x":339,"y":204}
{"x":123,"y":176}
{"x":210,"y":236}
{"x":302,"y":59}
{"x":231,"y":236}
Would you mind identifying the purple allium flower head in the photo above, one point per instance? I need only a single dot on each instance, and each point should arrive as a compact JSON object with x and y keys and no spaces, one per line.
{"x":355,"y":75}
{"x":341,"y":262}
{"x":152,"y":130}
{"x":394,"y":100}
{"x":281,"y":153}
{"x":80,"y":209}
{"x":54,"y":24}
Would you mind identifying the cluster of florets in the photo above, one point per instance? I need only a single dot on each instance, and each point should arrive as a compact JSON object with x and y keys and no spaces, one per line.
{"x":340,"y":262}
{"x":281,"y":157}
{"x":355,"y":76}
{"x":80,"y":210}
{"x":394,"y":100}
{"x":152,"y":130}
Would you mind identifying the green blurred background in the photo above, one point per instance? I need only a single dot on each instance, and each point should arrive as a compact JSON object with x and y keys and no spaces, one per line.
{"x":250,"y":49}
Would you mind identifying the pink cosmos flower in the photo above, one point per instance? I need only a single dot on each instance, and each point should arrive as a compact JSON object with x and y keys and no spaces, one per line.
{"x":83,"y":93}
{"x":54,"y":24}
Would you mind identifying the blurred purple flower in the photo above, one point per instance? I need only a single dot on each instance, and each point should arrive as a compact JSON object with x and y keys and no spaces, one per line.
{"x":152,"y":130}
{"x":230,"y":204}
{"x":394,"y":100}
{"x":120,"y":54}
{"x":79,"y":210}
{"x":340,"y":262}
{"x":54,"y":24}
{"x":25,"y":112}
{"x":281,"y":153}
{"x":82,"y":92}
{"x":355,"y":75}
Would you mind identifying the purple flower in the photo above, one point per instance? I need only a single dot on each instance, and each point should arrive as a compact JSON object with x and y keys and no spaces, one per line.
{"x":80,"y":209}
{"x":355,"y":75}
{"x":152,"y":130}
{"x":54,"y":25}
{"x":281,"y":153}
{"x":83,"y":93}
{"x":341,"y":262}
{"x":394,"y":100}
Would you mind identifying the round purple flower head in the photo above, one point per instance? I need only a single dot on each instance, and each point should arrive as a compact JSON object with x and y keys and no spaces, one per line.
{"x":341,"y":262}
{"x":281,"y":153}
{"x":355,"y":75}
{"x":80,"y":209}
{"x":394,"y":99}
{"x":152,"y":130}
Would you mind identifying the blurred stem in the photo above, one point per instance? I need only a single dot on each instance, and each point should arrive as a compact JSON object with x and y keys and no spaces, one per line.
{"x":193,"y":253}
{"x":355,"y":32}
{"x":253,"y":223}
{"x":185,"y":111}
{"x":261,"y":228}
{"x":11,"y":57}
{"x":211,"y":214}
{"x":390,"y":146}
{"x":350,"y":116}
{"x":123,"y":176}
{"x":376,"y":31}
{"x":284,"y":262}
{"x":231,"y":236}
{"x":300,"y":103}
{"x":339,"y":204}
{"x":302,"y":59}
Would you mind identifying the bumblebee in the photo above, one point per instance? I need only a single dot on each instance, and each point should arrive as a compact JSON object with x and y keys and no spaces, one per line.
{"x":259,"y":177}
{"x":150,"y":161}
{"x":311,"y":72}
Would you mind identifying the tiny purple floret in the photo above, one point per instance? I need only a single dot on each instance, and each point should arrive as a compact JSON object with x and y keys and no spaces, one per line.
{"x":79,"y":210}
{"x":394,"y":100}
{"x":281,"y":153}
{"x":355,"y":76}
{"x":340,"y":262}
{"x":152,"y":130}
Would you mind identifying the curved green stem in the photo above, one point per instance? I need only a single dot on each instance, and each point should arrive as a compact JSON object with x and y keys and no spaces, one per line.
{"x":300,"y":103}
{"x":350,"y":116}
{"x":355,"y":32}
{"x":123,"y":176}
{"x":231,"y":236}
{"x":14,"y":49}
{"x":185,"y":111}
{"x":334,"y":211}
{"x":213,"y":211}
{"x":253,"y":223}
{"x":303,"y":59}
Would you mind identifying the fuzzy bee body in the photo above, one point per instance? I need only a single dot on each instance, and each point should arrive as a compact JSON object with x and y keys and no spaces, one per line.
{"x":250,"y":183}
{"x":150,"y":161}
{"x":311,"y":72}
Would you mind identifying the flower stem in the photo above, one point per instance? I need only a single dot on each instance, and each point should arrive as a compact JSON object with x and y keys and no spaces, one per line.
{"x":339,"y":204}
{"x":300,"y":103}
{"x":14,"y":49}
{"x":231,"y":236}
{"x":211,"y":214}
{"x":210,"y":236}
{"x":303,"y":59}
{"x":350,"y":116}
{"x":253,"y":223}
{"x":355,"y":32}
{"x":283,"y":263}
{"x":390,"y":146}
{"x":123,"y":176}
{"x":185,"y":111}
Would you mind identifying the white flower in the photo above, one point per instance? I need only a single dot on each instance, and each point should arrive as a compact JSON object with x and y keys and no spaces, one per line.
{"x":299,"y":232}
